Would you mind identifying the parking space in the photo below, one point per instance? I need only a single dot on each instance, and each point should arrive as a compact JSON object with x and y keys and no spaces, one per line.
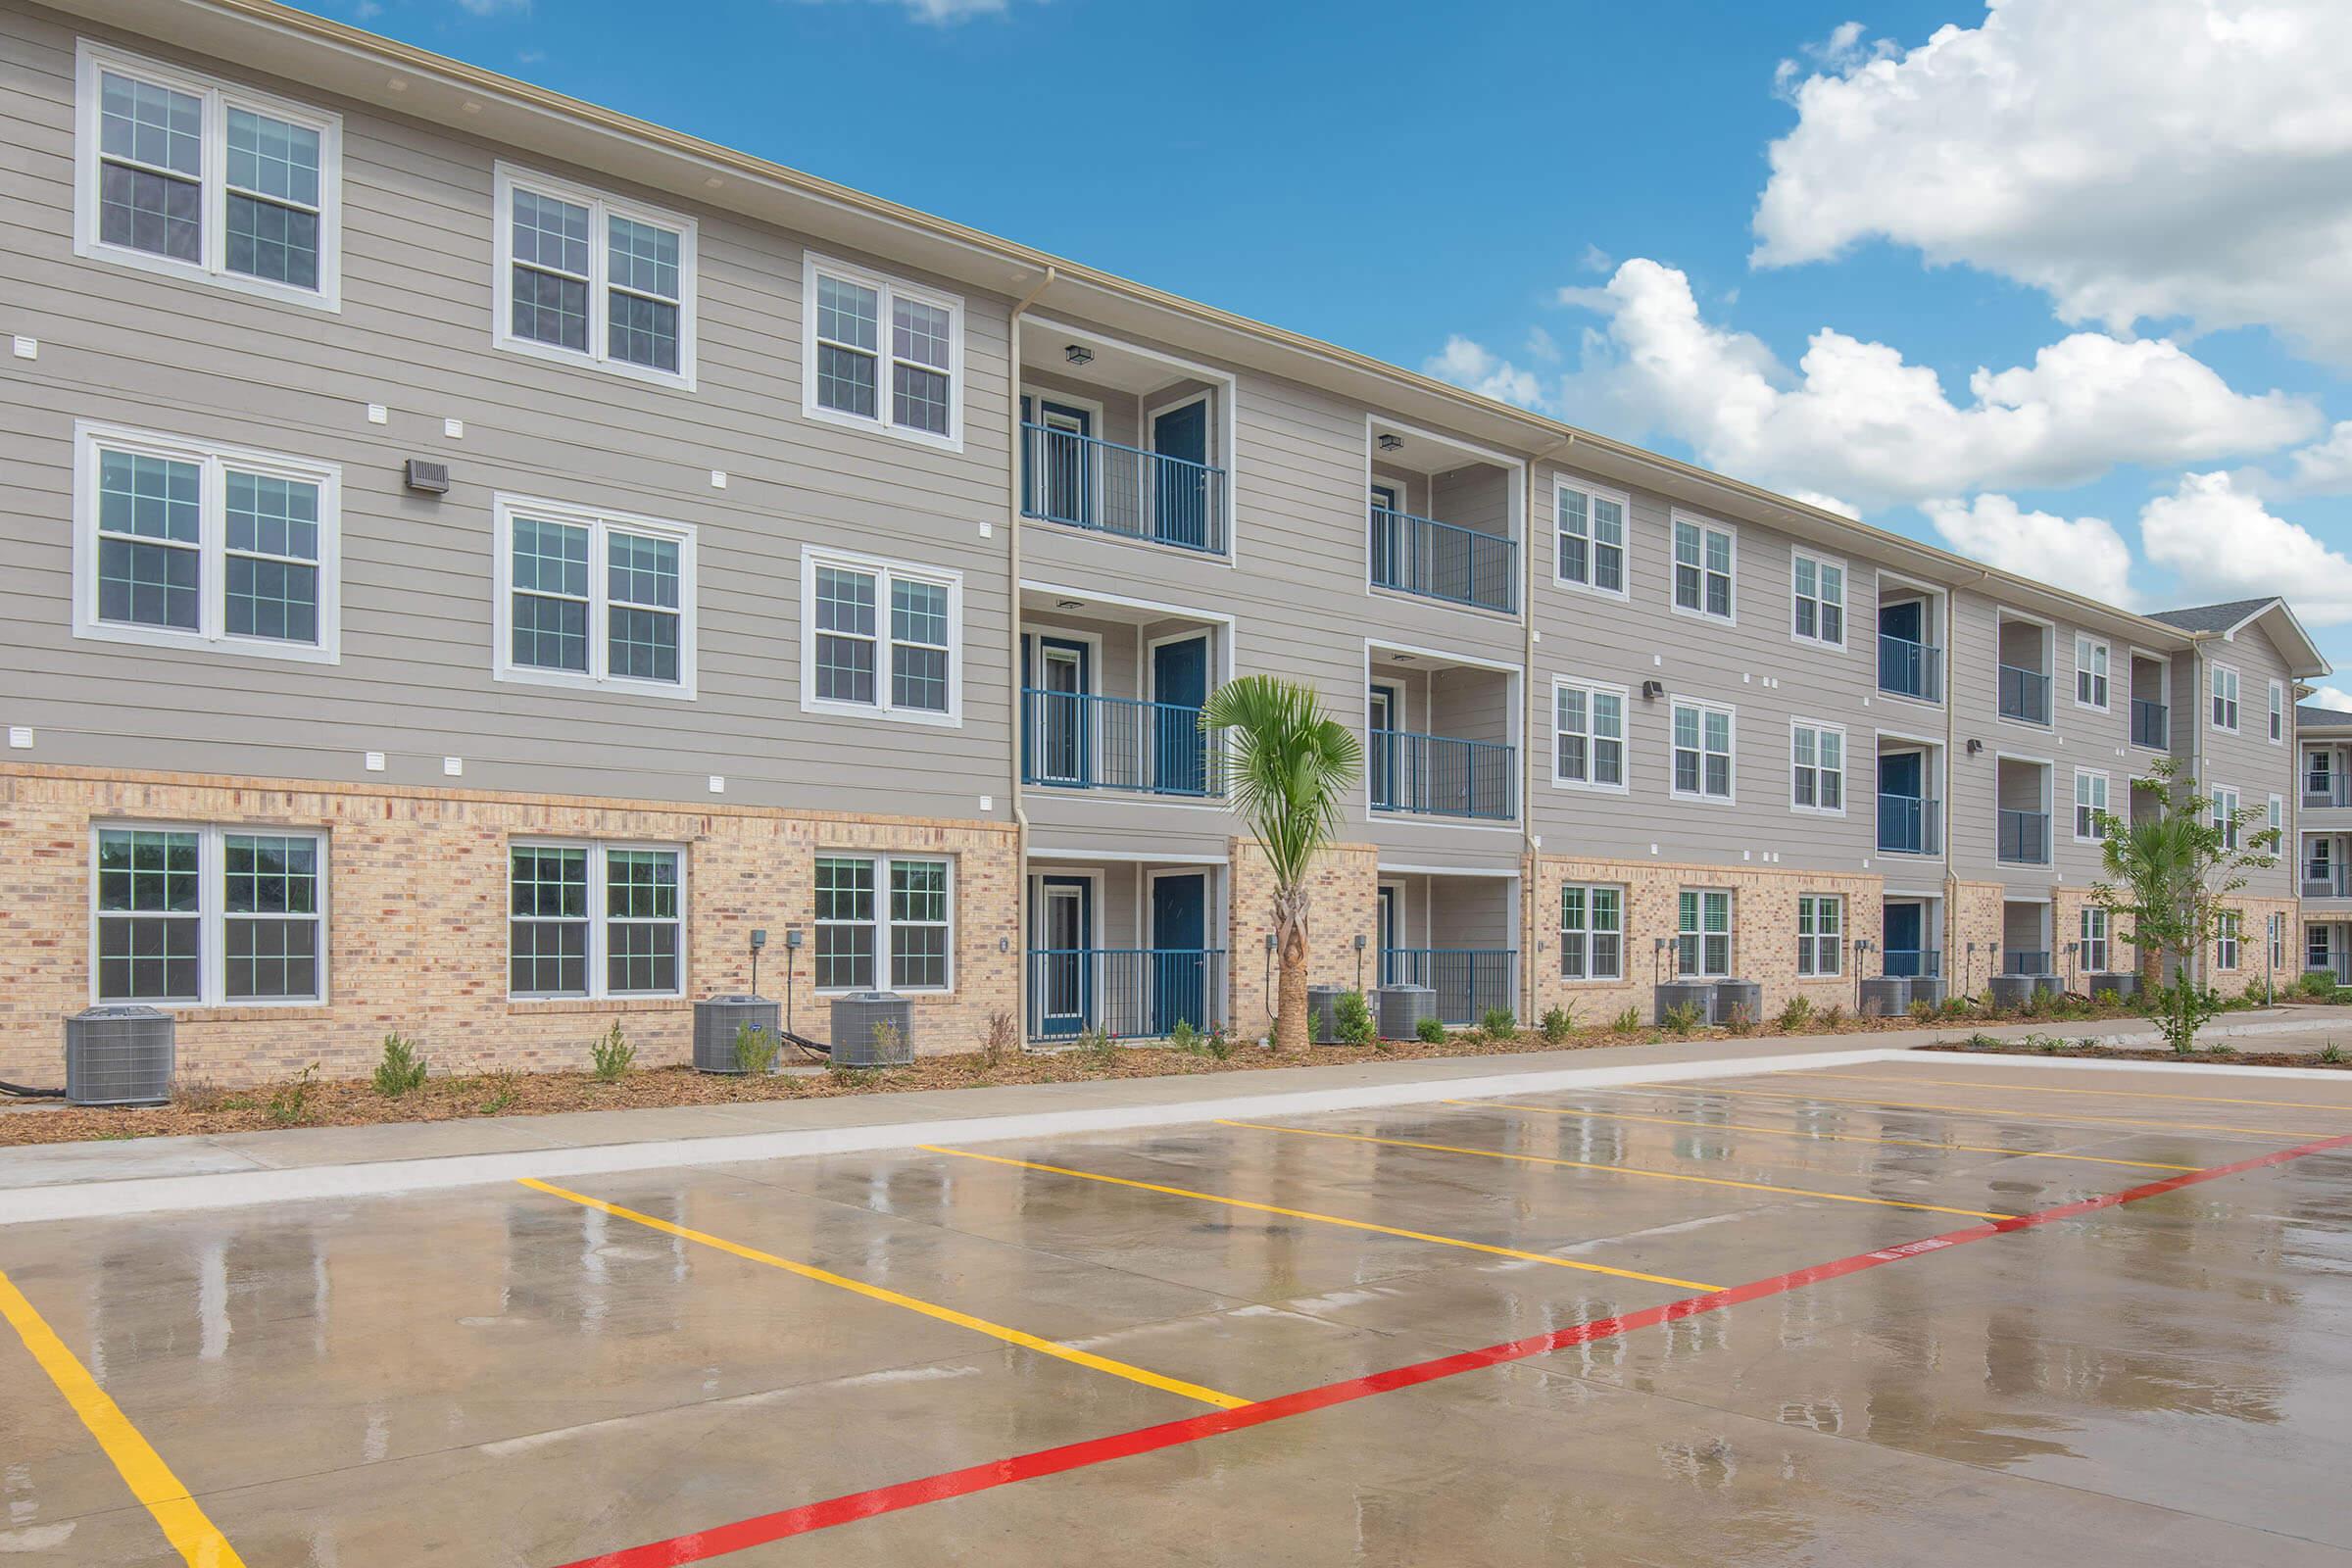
{"x":1673,"y":1324}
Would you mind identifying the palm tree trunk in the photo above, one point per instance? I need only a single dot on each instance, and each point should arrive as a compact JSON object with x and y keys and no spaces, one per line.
{"x":1290,"y":1018}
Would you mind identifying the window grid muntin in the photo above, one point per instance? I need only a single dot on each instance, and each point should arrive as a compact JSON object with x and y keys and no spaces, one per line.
{"x":595,"y":919}
{"x":1703,"y":739}
{"x":1819,"y":587}
{"x":2093,"y":659}
{"x":2226,"y":940}
{"x":1703,"y":934}
{"x":2093,"y":935}
{"x":885,"y":914}
{"x":880,"y":638}
{"x":882,"y":353}
{"x":2091,"y":803}
{"x":207,"y":916}
{"x":595,"y":279}
{"x":1588,"y":735}
{"x":2223,"y":689}
{"x":1591,"y":528}
{"x":1820,"y":935}
{"x":595,"y":599}
{"x":1817,"y":767}
{"x":1703,"y":557}
{"x":1593,"y":931}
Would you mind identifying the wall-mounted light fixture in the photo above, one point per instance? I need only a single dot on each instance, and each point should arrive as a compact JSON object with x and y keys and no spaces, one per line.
{"x":1078,"y":354}
{"x":1975,"y":746}
{"x":1652,"y":690}
{"x":1391,"y":442}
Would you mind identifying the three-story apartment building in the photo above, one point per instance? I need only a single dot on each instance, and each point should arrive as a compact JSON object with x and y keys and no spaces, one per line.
{"x":473,"y":559}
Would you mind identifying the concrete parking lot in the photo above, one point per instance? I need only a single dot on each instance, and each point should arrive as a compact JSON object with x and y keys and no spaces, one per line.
{"x":1674,"y":1325}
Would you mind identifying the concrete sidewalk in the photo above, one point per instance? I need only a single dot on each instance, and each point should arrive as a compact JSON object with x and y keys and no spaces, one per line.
{"x":144,"y":1176}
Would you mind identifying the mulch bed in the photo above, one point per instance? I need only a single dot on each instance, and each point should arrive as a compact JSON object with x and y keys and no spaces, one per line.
{"x":354,"y":1103}
{"x":2163,"y":1055}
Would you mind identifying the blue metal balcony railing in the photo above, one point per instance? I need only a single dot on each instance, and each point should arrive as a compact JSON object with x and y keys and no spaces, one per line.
{"x":1127,"y":992}
{"x":1910,"y":669}
{"x":2024,"y":838}
{"x":1470,"y":982}
{"x":2338,"y":886}
{"x":1438,"y":561}
{"x":2024,"y":694}
{"x":1438,"y":775}
{"x":1909,"y":826}
{"x":1912,"y":963}
{"x":2320,"y":790}
{"x":1091,"y":483}
{"x":2024,"y":960}
{"x":2151,"y":724}
{"x":1075,"y":740}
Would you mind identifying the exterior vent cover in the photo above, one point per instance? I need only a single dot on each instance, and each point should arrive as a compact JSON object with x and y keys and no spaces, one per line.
{"x":857,"y":1016}
{"x":716,"y":1020}
{"x":1401,"y":1009}
{"x":426,"y":479}
{"x":118,"y":1054}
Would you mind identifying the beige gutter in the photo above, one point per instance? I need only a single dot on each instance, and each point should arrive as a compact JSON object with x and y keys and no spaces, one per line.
{"x":1012,"y":589}
{"x":1528,"y":847}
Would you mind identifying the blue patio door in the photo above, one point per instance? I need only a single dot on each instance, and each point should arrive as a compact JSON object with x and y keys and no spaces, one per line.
{"x":1179,"y":959}
{"x":1381,"y":711}
{"x":1179,"y":686}
{"x":1902,"y":819}
{"x":1904,"y":620}
{"x":1903,"y":932}
{"x":1180,"y":489}
{"x":1065,"y":922}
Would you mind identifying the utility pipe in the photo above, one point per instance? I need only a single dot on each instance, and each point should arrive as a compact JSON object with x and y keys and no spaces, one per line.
{"x":1012,"y":599}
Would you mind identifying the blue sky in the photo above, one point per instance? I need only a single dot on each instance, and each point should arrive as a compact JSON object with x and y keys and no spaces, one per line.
{"x":1640,"y":218}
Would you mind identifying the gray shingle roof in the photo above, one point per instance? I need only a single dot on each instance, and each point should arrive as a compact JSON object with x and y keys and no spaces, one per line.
{"x":2211,"y":618}
{"x":2309,"y":717}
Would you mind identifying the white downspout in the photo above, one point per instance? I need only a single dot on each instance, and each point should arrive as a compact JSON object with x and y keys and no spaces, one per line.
{"x":1528,"y":847}
{"x":1013,"y":557}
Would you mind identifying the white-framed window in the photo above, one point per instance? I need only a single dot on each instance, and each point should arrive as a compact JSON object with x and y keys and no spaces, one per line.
{"x":1820,"y":594}
{"x":1592,"y":539}
{"x":1592,"y":932}
{"x":1817,"y":767}
{"x":1704,"y":558}
{"x":591,"y":919}
{"x":2319,"y":771}
{"x":2316,"y":948}
{"x":2277,"y":713}
{"x":594,"y":599}
{"x":2319,"y":861}
{"x":2091,"y":673}
{"x":1820,"y":934}
{"x":880,"y":352}
{"x":2278,"y":941}
{"x":2094,"y":940}
{"x":1703,"y":934}
{"x":2225,"y":940}
{"x":2224,"y":688}
{"x":2276,"y":819}
{"x":1588,"y":735}
{"x":885,"y":922}
{"x":208,"y":916}
{"x":2225,"y":814}
{"x":1702,"y":751}
{"x":583,"y":277}
{"x":181,"y":175}
{"x":182,"y":542}
{"x":2091,"y":803}
{"x":879,"y":639}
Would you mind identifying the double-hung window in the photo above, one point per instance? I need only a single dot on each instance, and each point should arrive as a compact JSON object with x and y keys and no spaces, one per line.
{"x":880,"y":352}
{"x":1592,"y":542}
{"x":1703,"y":934}
{"x":2278,"y":941}
{"x":1588,"y":735}
{"x":1820,"y":934}
{"x":1703,"y":752}
{"x":594,"y":599}
{"x":2094,"y":940}
{"x":1820,"y":600}
{"x":210,"y":915}
{"x":183,"y":542}
{"x":179,"y":173}
{"x":2276,"y":820}
{"x":2090,"y":803}
{"x":593,"y":279}
{"x":884,"y":923}
{"x":2225,"y":815}
{"x":2277,"y":713}
{"x":595,"y":921}
{"x":1817,"y":767}
{"x":2225,"y":698}
{"x":2225,"y":940}
{"x":878,"y":638}
{"x":1703,"y":554}
{"x":1592,"y":932}
{"x":2090,"y":673}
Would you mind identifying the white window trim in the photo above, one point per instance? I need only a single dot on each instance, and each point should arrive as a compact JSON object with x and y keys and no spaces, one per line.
{"x":2275,"y":820}
{"x":880,"y":926}
{"x":1846,"y":611}
{"x":1625,"y":742}
{"x":599,"y":523}
{"x":2106,"y":788}
{"x":212,"y":904}
{"x":2231,"y":836}
{"x":1703,"y":523}
{"x":2229,"y":937}
{"x":1705,"y":707}
{"x":2237,"y":703}
{"x":90,"y":58}
{"x":1836,"y":948}
{"x":2105,"y":939}
{"x":1584,"y":936}
{"x":2083,"y":639}
{"x":212,"y":629}
{"x":2276,"y":711}
{"x":1730,"y":933}
{"x":1623,"y":592}
{"x":812,"y":557}
{"x":599,"y":990}
{"x":506,"y":179}
{"x":1818,"y":728}
{"x":889,"y":288}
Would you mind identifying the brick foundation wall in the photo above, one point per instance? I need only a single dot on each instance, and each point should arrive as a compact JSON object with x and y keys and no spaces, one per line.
{"x":1341,"y":903}
{"x":417,"y":921}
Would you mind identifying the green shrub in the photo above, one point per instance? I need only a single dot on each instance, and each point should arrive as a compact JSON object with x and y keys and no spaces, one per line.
{"x":612,"y":1055}
{"x":1004,"y":1038}
{"x":2108,"y":997}
{"x":1498,"y":1025}
{"x":1955,"y":1007}
{"x":290,"y":1103}
{"x":1831,"y":1016}
{"x":1097,"y":1047}
{"x":1740,"y":1020}
{"x":1923,"y":1009}
{"x":1795,"y":1015}
{"x":401,"y":1068}
{"x":502,"y":1088}
{"x":755,"y":1049}
{"x":2331,"y":1053}
{"x":1626,"y":1023}
{"x":1559,"y":1024}
{"x":1185,"y":1038}
{"x":1220,"y":1043}
{"x":1683,"y":1017}
{"x":1430,"y":1032}
{"x":1351,"y":1019}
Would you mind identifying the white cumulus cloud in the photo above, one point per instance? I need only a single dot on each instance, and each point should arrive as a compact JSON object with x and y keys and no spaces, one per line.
{"x":2332,"y":697}
{"x":1466,"y":364}
{"x":2220,"y":537}
{"x":2082,"y":554}
{"x":2138,"y":159}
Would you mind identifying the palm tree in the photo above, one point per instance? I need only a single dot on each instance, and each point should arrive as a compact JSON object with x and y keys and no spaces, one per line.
{"x":1287,"y":765}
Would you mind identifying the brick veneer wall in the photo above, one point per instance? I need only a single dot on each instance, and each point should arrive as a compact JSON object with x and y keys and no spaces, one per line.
{"x":417,"y":921}
{"x":1343,"y":893}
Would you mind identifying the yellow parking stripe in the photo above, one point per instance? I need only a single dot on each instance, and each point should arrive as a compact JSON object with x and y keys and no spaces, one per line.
{"x":197,"y":1540}
{"x":875,"y":1293}
{"x":2079,"y":1119}
{"x":2104,"y":1093}
{"x":1328,"y":1219}
{"x":1831,"y":1138}
{"x":1615,"y":1170}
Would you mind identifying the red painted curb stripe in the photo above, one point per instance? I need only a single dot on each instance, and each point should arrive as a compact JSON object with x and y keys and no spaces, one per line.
{"x":704,"y":1545}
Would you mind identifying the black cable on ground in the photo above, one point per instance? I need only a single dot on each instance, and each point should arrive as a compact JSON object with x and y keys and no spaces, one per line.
{"x":21,"y":1091}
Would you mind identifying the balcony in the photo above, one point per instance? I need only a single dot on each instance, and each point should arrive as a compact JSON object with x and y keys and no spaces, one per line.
{"x":1084,"y":481}
{"x":1909,"y":826}
{"x":2321,"y":792}
{"x":1074,"y":740}
{"x":1442,"y":776}
{"x":1910,"y":668}
{"x":2024,"y":960}
{"x":1912,"y":963}
{"x":2024,"y":838}
{"x":2337,"y":886}
{"x":1470,"y":982}
{"x":1126,"y":992}
{"x":1435,"y":559}
{"x":2024,"y":694}
{"x":2151,"y":725}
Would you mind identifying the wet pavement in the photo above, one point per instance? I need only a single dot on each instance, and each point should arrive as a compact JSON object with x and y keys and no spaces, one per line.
{"x":531,"y":1377}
